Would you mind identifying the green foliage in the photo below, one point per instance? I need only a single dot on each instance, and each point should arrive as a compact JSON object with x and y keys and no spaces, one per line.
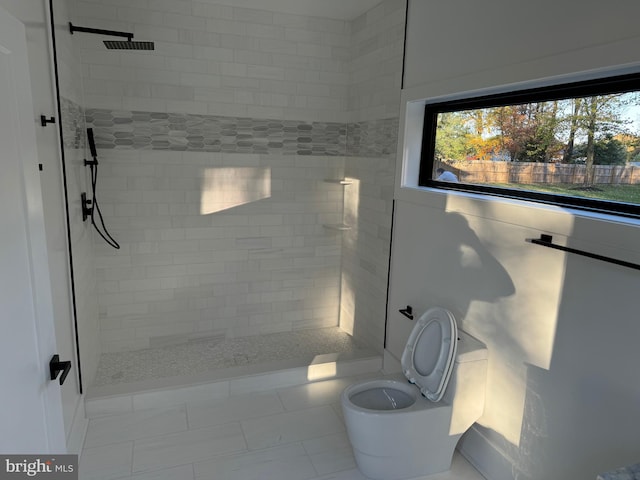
{"x":615,"y":193}
{"x":452,"y":137}
{"x":542,"y":131}
{"x":607,"y":151}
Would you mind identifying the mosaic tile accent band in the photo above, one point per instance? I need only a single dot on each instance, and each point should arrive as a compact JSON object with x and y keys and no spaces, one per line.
{"x":209,"y":133}
{"x":73,"y":131}
{"x":373,"y":138}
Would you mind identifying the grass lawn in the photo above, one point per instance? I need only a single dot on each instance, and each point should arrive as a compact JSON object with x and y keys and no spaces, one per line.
{"x":615,"y":193}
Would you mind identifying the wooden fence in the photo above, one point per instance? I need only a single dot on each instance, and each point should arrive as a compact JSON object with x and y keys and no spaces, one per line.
{"x":475,"y":171}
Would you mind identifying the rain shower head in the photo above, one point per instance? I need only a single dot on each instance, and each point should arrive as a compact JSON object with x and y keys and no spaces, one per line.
{"x":127,"y":44}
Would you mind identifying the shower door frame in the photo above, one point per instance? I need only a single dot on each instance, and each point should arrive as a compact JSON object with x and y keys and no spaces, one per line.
{"x":72,"y":287}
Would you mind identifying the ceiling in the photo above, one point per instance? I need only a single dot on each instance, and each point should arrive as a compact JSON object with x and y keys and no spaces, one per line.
{"x":339,"y":9}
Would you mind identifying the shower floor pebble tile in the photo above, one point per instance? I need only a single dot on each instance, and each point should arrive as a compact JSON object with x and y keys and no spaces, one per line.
{"x":274,"y":435}
{"x":206,"y":355}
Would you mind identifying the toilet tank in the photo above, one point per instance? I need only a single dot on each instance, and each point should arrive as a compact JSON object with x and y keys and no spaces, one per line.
{"x":470,"y":349}
{"x":466,"y":389}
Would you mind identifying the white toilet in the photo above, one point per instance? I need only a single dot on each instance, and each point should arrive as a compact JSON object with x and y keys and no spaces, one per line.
{"x":399,"y":430}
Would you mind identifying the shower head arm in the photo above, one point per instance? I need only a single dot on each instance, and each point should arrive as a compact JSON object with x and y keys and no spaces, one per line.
{"x":111,"y":33}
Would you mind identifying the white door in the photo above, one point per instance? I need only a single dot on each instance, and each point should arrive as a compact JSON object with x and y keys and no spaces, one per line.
{"x":30,"y":405}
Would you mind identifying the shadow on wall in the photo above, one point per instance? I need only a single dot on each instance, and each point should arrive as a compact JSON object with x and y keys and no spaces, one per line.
{"x":519,"y":328}
{"x":563,"y":348}
{"x":581,"y":414}
{"x":439,"y":260}
{"x":501,"y":289}
{"x":468,"y":264}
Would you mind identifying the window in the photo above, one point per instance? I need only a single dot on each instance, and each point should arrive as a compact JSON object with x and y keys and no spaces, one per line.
{"x":574,"y":145}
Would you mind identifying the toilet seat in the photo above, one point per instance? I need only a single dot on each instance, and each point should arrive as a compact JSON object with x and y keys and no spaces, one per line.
{"x":428,"y":357}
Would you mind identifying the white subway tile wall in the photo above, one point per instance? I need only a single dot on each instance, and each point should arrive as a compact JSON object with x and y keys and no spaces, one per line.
{"x":231,"y":242}
{"x":216,"y":244}
{"x":377,"y":42}
{"x":377,"y":46}
{"x":218,"y":60}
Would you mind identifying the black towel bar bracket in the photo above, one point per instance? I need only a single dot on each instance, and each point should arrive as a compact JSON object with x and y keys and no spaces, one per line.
{"x":547,"y":241}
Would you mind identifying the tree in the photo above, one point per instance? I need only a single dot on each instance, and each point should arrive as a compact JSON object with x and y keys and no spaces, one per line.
{"x":543,"y":145}
{"x":602,"y":115}
{"x":452,"y":136}
{"x":514,"y":128}
{"x":539,"y":131}
{"x":591,"y":119}
{"x":528,"y":132}
{"x":574,"y":124}
{"x":606,"y":151}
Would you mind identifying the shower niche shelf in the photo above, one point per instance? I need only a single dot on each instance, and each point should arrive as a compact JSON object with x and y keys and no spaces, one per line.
{"x":341,"y":227}
{"x":338,"y":181}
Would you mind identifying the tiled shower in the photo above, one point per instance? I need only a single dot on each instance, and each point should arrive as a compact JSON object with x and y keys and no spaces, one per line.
{"x":245,"y":168}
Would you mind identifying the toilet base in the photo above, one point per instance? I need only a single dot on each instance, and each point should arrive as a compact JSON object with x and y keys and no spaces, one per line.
{"x":399,"y":444}
{"x":398,"y":468}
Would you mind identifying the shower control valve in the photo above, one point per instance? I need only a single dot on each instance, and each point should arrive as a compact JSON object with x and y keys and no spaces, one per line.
{"x":87,"y":206}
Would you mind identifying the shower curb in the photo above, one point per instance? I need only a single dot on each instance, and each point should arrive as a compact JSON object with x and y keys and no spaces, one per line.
{"x":114,"y":400}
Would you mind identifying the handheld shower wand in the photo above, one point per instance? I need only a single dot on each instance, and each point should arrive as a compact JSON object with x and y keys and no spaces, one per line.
{"x":90,"y":207}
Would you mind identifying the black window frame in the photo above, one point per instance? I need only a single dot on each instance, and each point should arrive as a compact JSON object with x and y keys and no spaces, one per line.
{"x":602,"y":86}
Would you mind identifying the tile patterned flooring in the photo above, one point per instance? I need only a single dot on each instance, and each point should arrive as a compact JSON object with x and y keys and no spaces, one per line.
{"x":293,"y":433}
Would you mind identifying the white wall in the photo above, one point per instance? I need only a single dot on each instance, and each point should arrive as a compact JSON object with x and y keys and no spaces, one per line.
{"x":33,"y":15}
{"x":562,"y":400}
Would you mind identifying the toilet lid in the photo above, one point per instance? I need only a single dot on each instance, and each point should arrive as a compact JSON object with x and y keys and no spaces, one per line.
{"x":429,"y":355}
